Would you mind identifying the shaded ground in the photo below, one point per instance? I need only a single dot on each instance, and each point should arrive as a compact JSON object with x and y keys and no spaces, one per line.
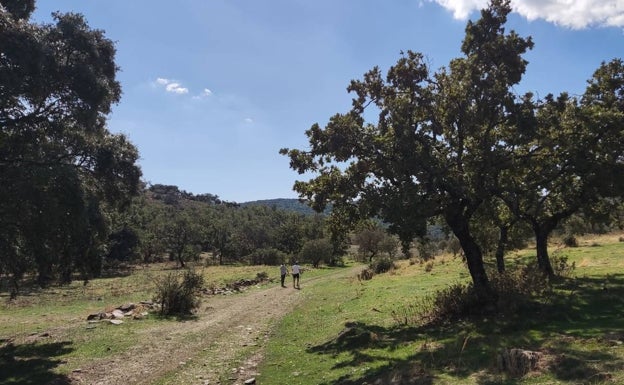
{"x":223,"y":344}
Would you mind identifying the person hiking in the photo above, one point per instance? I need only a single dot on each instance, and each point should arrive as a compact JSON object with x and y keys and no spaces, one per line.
{"x":283,"y":272}
{"x":296,"y":270}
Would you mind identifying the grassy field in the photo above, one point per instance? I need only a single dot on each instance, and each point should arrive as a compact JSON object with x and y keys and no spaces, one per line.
{"x":43,"y":333}
{"x":345,"y":331}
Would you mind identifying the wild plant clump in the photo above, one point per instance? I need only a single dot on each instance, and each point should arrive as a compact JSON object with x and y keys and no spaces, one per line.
{"x":177,"y":293}
{"x":513,"y":290}
{"x":451,"y":303}
{"x":382,"y":265}
{"x":570,"y":241}
{"x":562,"y":267}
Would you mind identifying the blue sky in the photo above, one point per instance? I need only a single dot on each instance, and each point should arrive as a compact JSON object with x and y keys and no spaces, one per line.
{"x":212,"y":89}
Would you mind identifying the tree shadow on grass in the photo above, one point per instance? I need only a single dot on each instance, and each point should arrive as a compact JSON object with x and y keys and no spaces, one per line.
{"x":573,"y":328}
{"x":367,"y":345}
{"x":33,"y":363}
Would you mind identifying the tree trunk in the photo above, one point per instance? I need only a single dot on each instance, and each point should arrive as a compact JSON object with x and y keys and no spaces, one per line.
{"x":541,"y":243}
{"x":474,"y":257}
{"x":500,"y":248}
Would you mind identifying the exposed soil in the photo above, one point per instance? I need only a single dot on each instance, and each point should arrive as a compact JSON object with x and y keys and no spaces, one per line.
{"x":223,"y":345}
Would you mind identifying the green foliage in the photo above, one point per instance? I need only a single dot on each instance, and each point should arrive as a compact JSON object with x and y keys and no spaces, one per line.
{"x":461,"y":145}
{"x":370,"y":240}
{"x":435,"y":149}
{"x":382,"y":265}
{"x":570,"y":240}
{"x":267,"y":256}
{"x":516,"y":290}
{"x":562,"y":267}
{"x":316,"y":251}
{"x":62,"y":173}
{"x":294,"y":205}
{"x":177,"y":293}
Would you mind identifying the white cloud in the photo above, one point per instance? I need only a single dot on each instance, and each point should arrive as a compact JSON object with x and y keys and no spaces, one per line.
{"x":574,"y":14}
{"x":176,"y":88}
{"x":171,"y":86}
{"x":462,"y":8}
{"x":206,"y":93}
{"x":248,"y":120}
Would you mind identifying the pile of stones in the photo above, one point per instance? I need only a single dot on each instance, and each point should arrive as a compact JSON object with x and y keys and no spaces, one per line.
{"x":126,"y":311}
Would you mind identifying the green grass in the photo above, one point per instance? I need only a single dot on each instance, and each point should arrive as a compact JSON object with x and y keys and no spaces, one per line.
{"x":44,"y":334}
{"x":344,"y":332}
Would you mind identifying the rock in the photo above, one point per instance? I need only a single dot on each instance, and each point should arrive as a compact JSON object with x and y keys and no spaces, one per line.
{"x":140,"y":315}
{"x":94,"y":316}
{"x":115,"y":321}
{"x":127,"y":307}
{"x":250,"y":381}
{"x":118,"y":313}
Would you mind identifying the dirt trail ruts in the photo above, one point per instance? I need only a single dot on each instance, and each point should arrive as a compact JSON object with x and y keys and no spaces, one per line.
{"x":225,"y":340}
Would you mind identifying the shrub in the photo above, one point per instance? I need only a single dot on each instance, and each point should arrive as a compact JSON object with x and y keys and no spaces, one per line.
{"x":561,"y":267}
{"x":365,"y":275}
{"x":177,"y":293}
{"x":570,"y":241}
{"x":382,"y":265}
{"x":515,"y":290}
{"x":426,"y":249}
{"x":267,"y":256}
{"x":428,"y":266}
{"x":454,"y":302}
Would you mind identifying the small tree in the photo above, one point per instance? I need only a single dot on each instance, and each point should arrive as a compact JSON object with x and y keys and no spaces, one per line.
{"x":369,"y":241}
{"x":316,"y":250}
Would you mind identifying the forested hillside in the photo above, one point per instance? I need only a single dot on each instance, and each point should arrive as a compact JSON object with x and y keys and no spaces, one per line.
{"x":283,"y":204}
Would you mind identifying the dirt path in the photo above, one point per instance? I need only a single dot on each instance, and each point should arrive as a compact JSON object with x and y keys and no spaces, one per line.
{"x":225,"y":341}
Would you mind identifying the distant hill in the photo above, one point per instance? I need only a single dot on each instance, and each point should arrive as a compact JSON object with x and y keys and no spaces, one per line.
{"x":283,"y":204}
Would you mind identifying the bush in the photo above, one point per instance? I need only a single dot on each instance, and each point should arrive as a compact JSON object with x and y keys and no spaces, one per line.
{"x":365,"y":275}
{"x":267,"y":256}
{"x":561,"y":267}
{"x":570,"y":241}
{"x":515,"y":290}
{"x":382,"y":265}
{"x":177,"y":293}
{"x":452,"y":303}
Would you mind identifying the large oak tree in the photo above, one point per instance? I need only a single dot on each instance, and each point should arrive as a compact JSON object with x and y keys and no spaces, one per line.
{"x":61,"y":170}
{"x":435,"y":148}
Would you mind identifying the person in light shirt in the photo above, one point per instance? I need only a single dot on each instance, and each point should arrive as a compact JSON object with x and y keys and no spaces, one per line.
{"x":296,"y":270}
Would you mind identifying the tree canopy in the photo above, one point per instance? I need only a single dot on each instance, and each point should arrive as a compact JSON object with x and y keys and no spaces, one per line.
{"x":61,"y":170}
{"x":449,"y":143}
